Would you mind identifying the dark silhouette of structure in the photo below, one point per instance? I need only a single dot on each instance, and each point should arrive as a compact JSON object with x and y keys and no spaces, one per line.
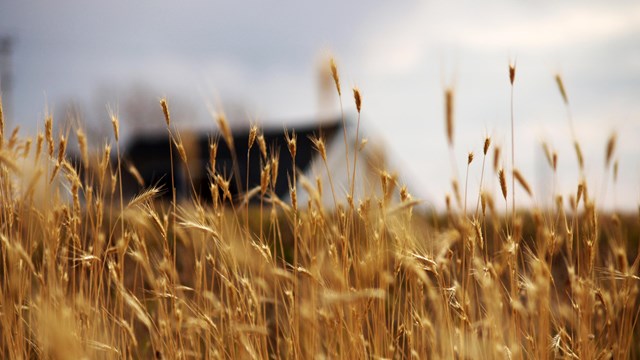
{"x":151,"y":156}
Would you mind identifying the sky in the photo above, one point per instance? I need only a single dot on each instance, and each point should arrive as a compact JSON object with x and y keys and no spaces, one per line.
{"x":262,"y":58}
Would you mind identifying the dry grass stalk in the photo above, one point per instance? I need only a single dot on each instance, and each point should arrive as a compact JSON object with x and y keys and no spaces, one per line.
{"x":80,"y":278}
{"x":1,"y":123}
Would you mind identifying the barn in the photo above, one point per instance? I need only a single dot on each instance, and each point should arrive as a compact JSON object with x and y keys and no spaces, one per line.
{"x":149,"y":154}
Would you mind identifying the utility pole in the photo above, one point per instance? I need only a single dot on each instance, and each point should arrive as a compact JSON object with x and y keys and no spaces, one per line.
{"x":6,"y":76}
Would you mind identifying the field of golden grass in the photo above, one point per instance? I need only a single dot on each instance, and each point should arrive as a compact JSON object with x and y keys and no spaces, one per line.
{"x":85,"y":273}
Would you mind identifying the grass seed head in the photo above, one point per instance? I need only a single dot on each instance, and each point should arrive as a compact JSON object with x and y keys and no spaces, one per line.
{"x":213,"y":154}
{"x":136,"y":174}
{"x":252,"y":135}
{"x":265,"y":176}
{"x":611,"y":147}
{"x":223,"y":125}
{"x":335,"y":75}
{"x":358,"y":98}
{"x":165,"y":111}
{"x":576,"y":146}
{"x":496,"y":158}
{"x":62,"y":146}
{"x":13,"y":139}
{"x":116,"y":126}
{"x":48,"y":130}
{"x":39,"y":142}
{"x":318,"y":143}
{"x":263,"y":146}
{"x":503,"y":183}
{"x":522,"y":181}
{"x":82,"y":144}
{"x":291,"y":142}
{"x":275,"y":162}
{"x":27,"y":148}
{"x":563,"y":93}
{"x":448,"y":109}
{"x":319,"y":186}
{"x":547,"y":153}
{"x":512,"y":73}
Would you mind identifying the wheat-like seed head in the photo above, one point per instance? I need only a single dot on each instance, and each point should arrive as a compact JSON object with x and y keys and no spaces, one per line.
{"x":116,"y":126}
{"x":27,"y":148}
{"x":13,"y":139}
{"x":576,"y":146}
{"x":291,"y":142}
{"x":512,"y":73}
{"x":39,"y":142}
{"x":358,"y":98}
{"x":136,"y":174}
{"x":180,"y":147}
{"x":496,"y":158}
{"x":165,"y":111}
{"x":335,"y":75}
{"x":448,"y":109}
{"x":563,"y":93}
{"x":483,"y":202}
{"x":213,"y":154}
{"x":487,"y":144}
{"x":294,"y":197}
{"x":522,"y":181}
{"x":503,"y":183}
{"x":470,"y":158}
{"x":252,"y":135}
{"x":263,"y":146}
{"x":275,"y":162}
{"x":62,"y":146}
{"x":225,"y":129}
{"x":265,"y":176}
{"x":547,"y":153}
{"x":48,"y":130}
{"x":611,"y":146}
{"x":82,"y":144}
{"x":579,"y":193}
{"x":318,"y":143}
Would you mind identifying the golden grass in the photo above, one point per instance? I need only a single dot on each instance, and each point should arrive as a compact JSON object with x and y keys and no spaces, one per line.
{"x":85,"y":274}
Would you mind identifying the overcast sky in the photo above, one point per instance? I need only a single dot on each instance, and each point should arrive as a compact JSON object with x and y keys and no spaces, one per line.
{"x":264,"y":56}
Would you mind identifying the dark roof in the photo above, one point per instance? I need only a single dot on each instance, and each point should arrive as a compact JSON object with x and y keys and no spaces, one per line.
{"x":150,"y":154}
